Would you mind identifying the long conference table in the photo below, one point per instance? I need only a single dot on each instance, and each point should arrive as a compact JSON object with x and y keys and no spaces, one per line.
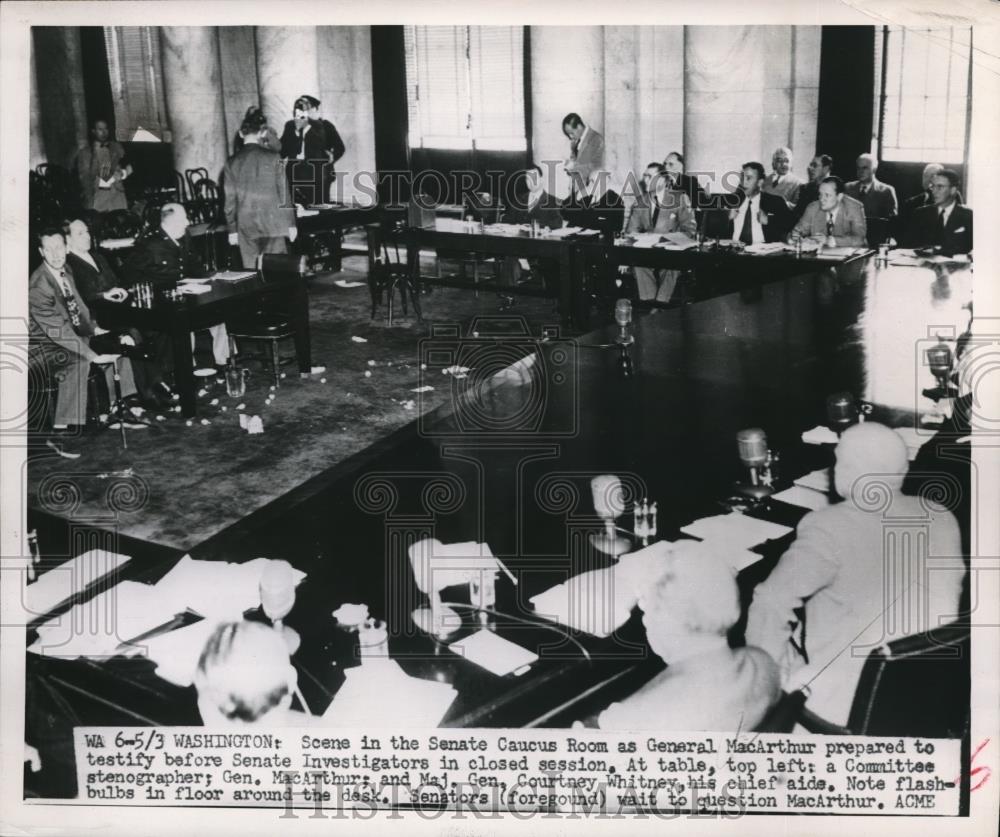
{"x":508,"y":463}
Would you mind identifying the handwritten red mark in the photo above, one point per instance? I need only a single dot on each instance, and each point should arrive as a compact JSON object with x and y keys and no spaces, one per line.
{"x":984,"y":769}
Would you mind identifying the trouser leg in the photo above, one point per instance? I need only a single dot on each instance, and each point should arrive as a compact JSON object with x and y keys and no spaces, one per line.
{"x":248,"y":251}
{"x":126,"y":378}
{"x":645,"y":280}
{"x":668,"y":281}
{"x":220,"y":344}
{"x":71,"y":397}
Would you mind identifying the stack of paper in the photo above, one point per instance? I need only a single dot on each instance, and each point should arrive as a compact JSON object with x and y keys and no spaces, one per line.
{"x":302,"y":212}
{"x":65,"y":581}
{"x":765,"y":249}
{"x":818,"y":480}
{"x":381,"y":694}
{"x":807,"y":498}
{"x":820,"y":435}
{"x":565,"y":231}
{"x":234,"y":275}
{"x":725,"y":532}
{"x":494,"y":653}
{"x":593,"y":602}
{"x":194,"y":288}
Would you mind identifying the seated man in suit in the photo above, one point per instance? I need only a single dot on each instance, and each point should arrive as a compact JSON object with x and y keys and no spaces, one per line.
{"x":164,"y":257}
{"x":664,"y":210}
{"x":878,"y":199}
{"x":926,"y":196}
{"x":539,"y":207}
{"x":947,"y":225}
{"x":259,"y":213}
{"x":782,"y":181}
{"x":819,"y":169}
{"x":707,"y":685}
{"x":65,"y":337}
{"x":761,"y":217}
{"x":859,"y":587}
{"x":586,"y":153}
{"x":686,"y":183}
{"x":835,"y":220}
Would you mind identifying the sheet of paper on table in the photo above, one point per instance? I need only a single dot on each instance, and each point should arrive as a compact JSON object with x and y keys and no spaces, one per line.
{"x":839,"y":252}
{"x":494,"y":653}
{"x":820,"y":435}
{"x":646,"y":240}
{"x":194,"y":288}
{"x":806,"y":498}
{"x":677,"y":241}
{"x":302,"y":212}
{"x":380,"y":693}
{"x":766,"y":248}
{"x":58,"y":584}
{"x":818,"y":480}
{"x":234,"y":275}
{"x":734,"y":531}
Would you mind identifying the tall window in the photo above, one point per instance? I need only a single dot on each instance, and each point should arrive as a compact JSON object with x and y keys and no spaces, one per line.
{"x":925,"y":78}
{"x":465,"y":87}
{"x":136,"y":80}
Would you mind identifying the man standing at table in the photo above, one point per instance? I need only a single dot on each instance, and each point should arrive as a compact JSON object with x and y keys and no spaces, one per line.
{"x":945,"y":226}
{"x":259,"y":214}
{"x":782,"y":181}
{"x":333,"y":145}
{"x":164,"y":258}
{"x":834,"y":220}
{"x":663,"y":210}
{"x":586,"y":153}
{"x":761,"y":217}
{"x":878,"y":199}
{"x":102,"y":169}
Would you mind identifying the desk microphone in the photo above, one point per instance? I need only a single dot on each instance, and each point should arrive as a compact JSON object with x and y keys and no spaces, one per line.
{"x":623,"y":316}
{"x":609,"y":503}
{"x":841,"y":411}
{"x":752,"y":444}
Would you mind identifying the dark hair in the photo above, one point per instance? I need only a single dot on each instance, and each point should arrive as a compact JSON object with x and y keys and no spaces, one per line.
{"x":301,"y":103}
{"x":757,"y":167}
{"x":253,"y":121}
{"x":658,"y":166}
{"x":677,"y":154}
{"x":826,"y":160}
{"x":535,"y":167}
{"x":310,"y":101}
{"x":48,"y":232}
{"x":950,"y":174}
{"x":573,"y":120}
{"x":838,"y":184}
{"x":68,"y":221}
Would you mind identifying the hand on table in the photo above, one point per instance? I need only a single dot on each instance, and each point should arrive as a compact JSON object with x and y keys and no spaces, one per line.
{"x":115,"y":295}
{"x":105,"y":359}
{"x":233,"y":238}
{"x":126,"y":340}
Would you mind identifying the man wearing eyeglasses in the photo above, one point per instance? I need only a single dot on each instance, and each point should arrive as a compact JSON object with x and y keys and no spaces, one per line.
{"x":946,"y":226}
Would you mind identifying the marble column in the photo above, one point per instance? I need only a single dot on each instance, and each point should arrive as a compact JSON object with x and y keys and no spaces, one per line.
{"x":622,"y":110}
{"x":193,"y":87}
{"x":344,"y":61}
{"x":238,"y":62}
{"x":286,"y":69}
{"x":567,"y":76}
{"x":660,"y":78}
{"x":59,"y":75}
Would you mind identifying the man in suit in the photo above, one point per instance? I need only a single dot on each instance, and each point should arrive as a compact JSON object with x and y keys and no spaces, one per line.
{"x":102,"y":169}
{"x":782,"y":181}
{"x":535,"y":206}
{"x":333,"y":144}
{"x":586,"y":153}
{"x":926,"y":196}
{"x":164,"y":258}
{"x":259,"y":214}
{"x":819,"y":169}
{"x":835,"y":219}
{"x":878,"y":199}
{"x":761,"y":217}
{"x":947,"y":225}
{"x":686,"y":183}
{"x":310,"y":147}
{"x":66,"y":338}
{"x":664,"y":210}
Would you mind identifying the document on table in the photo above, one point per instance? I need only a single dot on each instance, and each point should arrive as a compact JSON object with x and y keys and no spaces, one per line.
{"x":494,"y":653}
{"x":677,"y":241}
{"x":820,"y":435}
{"x":234,"y":275}
{"x":194,"y":288}
{"x":818,"y":480}
{"x":380,"y":693}
{"x":593,"y":602}
{"x":839,"y":252}
{"x":734,"y":531}
{"x":806,"y":498}
{"x":765,"y":249}
{"x":60,"y":583}
{"x":646,"y":240}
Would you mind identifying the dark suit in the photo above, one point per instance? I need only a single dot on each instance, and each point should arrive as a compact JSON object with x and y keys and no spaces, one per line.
{"x":257,"y":206}
{"x":65,"y":348}
{"x":881,"y":207}
{"x":548,"y":213}
{"x":779,"y":217}
{"x":807,"y":194}
{"x":607,"y":213}
{"x":159,"y":259}
{"x":924,"y":230}
{"x":320,"y":147}
{"x":689,"y":185}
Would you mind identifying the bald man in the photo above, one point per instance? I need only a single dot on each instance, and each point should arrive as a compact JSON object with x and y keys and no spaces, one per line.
{"x":859,"y":585}
{"x":782,"y":181}
{"x":878,"y":198}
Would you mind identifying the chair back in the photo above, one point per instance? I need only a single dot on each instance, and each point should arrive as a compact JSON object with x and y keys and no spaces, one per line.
{"x":277,"y":266}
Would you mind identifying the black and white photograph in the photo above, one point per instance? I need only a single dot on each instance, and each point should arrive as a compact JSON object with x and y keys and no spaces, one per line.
{"x":467,"y":415}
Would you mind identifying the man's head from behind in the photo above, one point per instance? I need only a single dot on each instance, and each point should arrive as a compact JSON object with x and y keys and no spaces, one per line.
{"x":173,"y":220}
{"x":870,"y":456}
{"x":244,"y":675}
{"x":52,"y":246}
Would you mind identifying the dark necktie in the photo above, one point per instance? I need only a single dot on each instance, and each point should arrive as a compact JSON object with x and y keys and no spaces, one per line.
{"x":940,"y":230}
{"x":829,"y":223}
{"x":746,"y":234}
{"x":70,"y":297}
{"x":655,"y":215}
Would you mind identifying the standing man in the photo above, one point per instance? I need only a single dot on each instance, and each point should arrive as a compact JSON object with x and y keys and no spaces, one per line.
{"x":878,"y":199}
{"x":761,"y":217}
{"x":781,"y":181}
{"x":310,"y":152}
{"x":586,"y":153}
{"x":102,"y":169}
{"x":333,"y":145}
{"x":259,"y":213}
{"x":947,"y":225}
{"x":68,"y":339}
{"x":834,"y":220}
{"x":819,"y":169}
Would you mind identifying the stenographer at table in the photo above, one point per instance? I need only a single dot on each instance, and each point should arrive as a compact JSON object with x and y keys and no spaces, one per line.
{"x":687,"y":612}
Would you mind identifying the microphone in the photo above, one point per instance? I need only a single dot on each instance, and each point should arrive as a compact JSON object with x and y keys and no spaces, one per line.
{"x":841,"y":411}
{"x":609,"y":503}
{"x":623,"y":316}
{"x":752,"y":445}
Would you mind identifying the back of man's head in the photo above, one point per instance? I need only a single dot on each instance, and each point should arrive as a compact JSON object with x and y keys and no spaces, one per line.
{"x":869,"y":455}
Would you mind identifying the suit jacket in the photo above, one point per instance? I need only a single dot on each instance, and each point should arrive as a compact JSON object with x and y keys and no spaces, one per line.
{"x":807,"y":194}
{"x":924,"y":230}
{"x":257,"y":201}
{"x":779,"y":216}
{"x":879,"y":201}
{"x":849,"y":227}
{"x":161,"y":260}
{"x":673,"y":215}
{"x":788,"y":187}
{"x":547,"y":212}
{"x":607,"y":213}
{"x":92,"y":283}
{"x":50,"y":326}
{"x":88,"y":169}
{"x":588,"y":156}
{"x":689,"y":185}
{"x":321,"y":138}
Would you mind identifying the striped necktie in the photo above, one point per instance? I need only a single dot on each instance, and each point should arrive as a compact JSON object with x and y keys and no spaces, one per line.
{"x":70,"y":297}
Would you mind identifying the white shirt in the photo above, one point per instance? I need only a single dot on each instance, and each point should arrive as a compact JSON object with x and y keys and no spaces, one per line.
{"x":947,"y":212}
{"x":302,"y":150}
{"x":756,"y":230}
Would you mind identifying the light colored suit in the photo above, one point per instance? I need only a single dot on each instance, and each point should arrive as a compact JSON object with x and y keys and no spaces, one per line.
{"x":787,"y":187}
{"x":673,"y":215}
{"x":849,"y":228}
{"x":586,"y":158}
